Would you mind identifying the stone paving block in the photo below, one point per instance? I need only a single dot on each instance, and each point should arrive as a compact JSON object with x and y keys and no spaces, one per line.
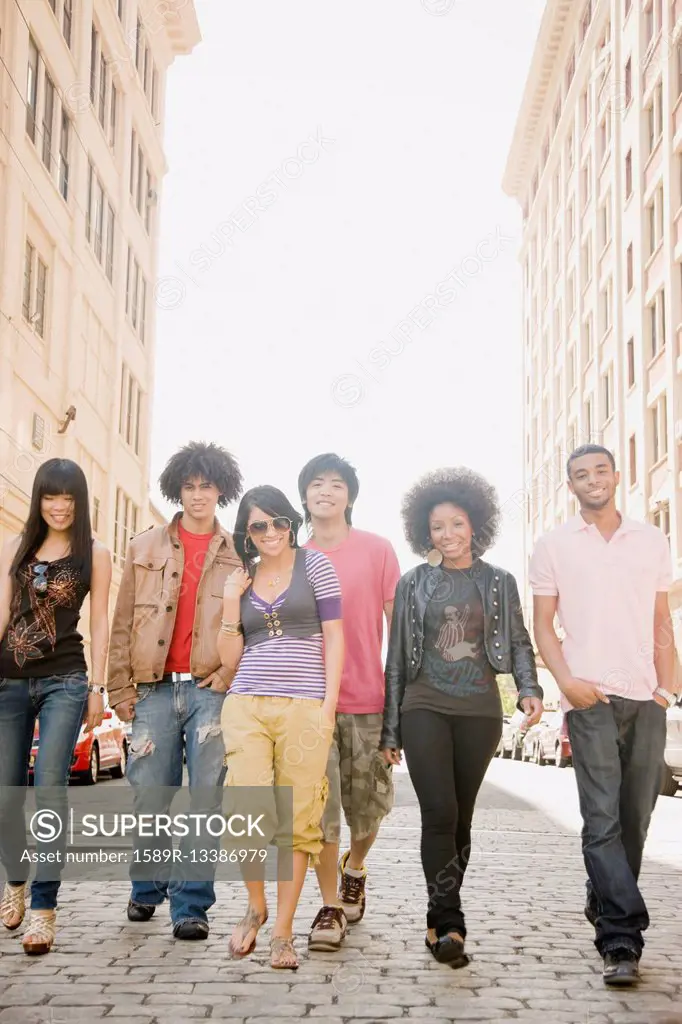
{"x":245,"y":1008}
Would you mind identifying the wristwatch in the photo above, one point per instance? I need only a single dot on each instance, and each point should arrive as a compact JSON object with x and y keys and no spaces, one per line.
{"x":101,"y":690}
{"x":671,"y":699}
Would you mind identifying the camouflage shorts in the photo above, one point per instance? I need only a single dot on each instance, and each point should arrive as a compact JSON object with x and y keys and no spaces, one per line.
{"x":360,"y":781}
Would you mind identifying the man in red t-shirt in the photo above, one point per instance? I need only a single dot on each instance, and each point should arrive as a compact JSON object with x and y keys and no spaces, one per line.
{"x":165,"y":672}
{"x":360,"y":781}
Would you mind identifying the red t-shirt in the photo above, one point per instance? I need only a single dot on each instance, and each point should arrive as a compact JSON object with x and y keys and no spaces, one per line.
{"x":368,"y":571}
{"x":195,"y":546}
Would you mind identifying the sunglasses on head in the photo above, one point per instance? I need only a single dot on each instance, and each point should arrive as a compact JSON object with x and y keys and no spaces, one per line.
{"x":260,"y":526}
{"x":39,"y":581}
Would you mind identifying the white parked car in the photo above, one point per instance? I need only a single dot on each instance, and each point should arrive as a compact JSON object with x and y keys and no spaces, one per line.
{"x":672,"y":769}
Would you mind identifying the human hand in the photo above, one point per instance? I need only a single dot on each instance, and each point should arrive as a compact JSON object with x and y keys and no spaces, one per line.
{"x":94,"y":712}
{"x":581,"y":694}
{"x":126,"y":709}
{"x":236,"y":583}
{"x":532,"y":709}
{"x":214,"y":682}
{"x":392,"y":756}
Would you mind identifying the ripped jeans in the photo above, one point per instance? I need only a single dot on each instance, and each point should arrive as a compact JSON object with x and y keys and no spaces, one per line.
{"x":173,"y":719}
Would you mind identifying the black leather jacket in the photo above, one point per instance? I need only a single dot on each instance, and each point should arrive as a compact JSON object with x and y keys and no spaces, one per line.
{"x":507,"y":643}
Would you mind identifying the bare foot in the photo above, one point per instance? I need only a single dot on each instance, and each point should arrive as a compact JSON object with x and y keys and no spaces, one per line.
{"x":243,"y":940}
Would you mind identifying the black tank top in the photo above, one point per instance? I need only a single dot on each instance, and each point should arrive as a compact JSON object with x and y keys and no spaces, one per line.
{"x":42,"y":637}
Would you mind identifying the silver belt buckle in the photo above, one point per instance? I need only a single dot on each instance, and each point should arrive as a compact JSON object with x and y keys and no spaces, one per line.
{"x":181,"y":677}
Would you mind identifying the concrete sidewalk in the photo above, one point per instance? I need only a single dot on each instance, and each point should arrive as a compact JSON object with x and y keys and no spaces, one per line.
{"x":533,"y":958}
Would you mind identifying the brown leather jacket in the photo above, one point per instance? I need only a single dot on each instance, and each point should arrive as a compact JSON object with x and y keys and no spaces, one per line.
{"x":146,"y":606}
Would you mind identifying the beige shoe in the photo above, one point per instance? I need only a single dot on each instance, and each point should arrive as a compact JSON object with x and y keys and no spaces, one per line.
{"x":352,"y":891}
{"x":40,"y":932}
{"x":13,"y":906}
{"x":328,"y":930}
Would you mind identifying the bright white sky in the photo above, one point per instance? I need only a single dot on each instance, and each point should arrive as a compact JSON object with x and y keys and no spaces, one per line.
{"x":421,"y":108}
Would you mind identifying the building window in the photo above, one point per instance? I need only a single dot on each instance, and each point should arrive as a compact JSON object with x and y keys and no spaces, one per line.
{"x":661,"y":519}
{"x":585,"y":21}
{"x":631,"y":362}
{"x":570,"y":221}
{"x":103,"y":77}
{"x":48,"y":120}
{"x":627,"y":4}
{"x":604,"y":138}
{"x":67,"y":21}
{"x":605,"y":222}
{"x":557,"y":255}
{"x":657,"y":323}
{"x":589,"y":418}
{"x":141,"y":181}
{"x":571,"y":368}
{"x":557,"y":113}
{"x":654,"y":118}
{"x":95,"y":515}
{"x":585,"y":107}
{"x":586,"y":182}
{"x":570,"y":70}
{"x":32,"y":90}
{"x":113,"y":112}
{"x":570,"y":152}
{"x":655,"y":214}
{"x":587,"y":260}
{"x":607,"y":393}
{"x":130,"y":415}
{"x":659,"y":429}
{"x":64,"y":137}
{"x":632,"y":460}
{"x":125,"y":525}
{"x":120,"y":9}
{"x":570,"y":295}
{"x":588,"y":341}
{"x":136,"y":296}
{"x":628,"y":82}
{"x":100,"y":223}
{"x":94,"y":57}
{"x":606,"y":307}
{"x":34,"y":290}
{"x":628,"y":174}
{"x":629,"y":268}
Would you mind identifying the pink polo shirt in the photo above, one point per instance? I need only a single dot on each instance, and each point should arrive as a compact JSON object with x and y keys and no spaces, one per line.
{"x":368,"y":571}
{"x":607,"y":591}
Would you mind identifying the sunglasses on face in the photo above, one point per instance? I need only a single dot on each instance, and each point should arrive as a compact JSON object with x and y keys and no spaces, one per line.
{"x":39,"y":581}
{"x":260,"y":526}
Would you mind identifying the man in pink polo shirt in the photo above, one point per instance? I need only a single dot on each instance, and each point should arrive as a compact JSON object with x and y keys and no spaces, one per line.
{"x":360,"y":781}
{"x":606,"y":577}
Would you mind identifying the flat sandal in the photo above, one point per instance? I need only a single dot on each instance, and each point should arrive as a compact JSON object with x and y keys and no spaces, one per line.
{"x":252,"y":921}
{"x":283,"y":955}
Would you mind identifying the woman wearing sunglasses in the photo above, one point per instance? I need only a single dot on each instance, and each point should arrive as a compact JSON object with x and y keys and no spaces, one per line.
{"x":282,"y":634}
{"x":45,"y":575}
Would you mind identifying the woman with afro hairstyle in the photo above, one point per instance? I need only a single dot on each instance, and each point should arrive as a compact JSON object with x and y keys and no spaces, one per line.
{"x":457,"y":623}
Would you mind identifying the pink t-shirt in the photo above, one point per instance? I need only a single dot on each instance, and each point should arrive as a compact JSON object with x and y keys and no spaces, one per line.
{"x":607,"y":591}
{"x":368,"y":571}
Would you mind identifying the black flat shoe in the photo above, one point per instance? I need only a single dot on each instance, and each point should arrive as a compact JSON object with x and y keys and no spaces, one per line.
{"x":192,"y":930}
{"x":448,"y":951}
{"x":621,"y":967}
{"x":139,"y":911}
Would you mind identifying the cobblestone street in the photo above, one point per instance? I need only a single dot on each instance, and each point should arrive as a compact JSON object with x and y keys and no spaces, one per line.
{"x":533,"y":958}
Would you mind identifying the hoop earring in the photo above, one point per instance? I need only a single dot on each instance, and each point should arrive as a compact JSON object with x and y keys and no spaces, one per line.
{"x":434,"y":558}
{"x":292,"y":539}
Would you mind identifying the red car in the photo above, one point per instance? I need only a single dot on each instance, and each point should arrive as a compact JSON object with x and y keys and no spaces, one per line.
{"x":105,"y":748}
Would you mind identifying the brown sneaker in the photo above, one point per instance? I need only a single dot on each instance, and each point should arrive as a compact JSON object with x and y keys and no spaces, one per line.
{"x":351,"y":892}
{"x":40,"y":932}
{"x":328,"y":930}
{"x":13,"y":906}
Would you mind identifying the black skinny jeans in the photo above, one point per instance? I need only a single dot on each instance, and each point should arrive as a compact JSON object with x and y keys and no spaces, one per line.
{"x":447,"y":757}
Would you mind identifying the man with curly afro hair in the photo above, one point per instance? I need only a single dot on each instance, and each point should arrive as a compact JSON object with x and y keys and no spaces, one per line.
{"x":165,"y":672}
{"x":457,"y":623}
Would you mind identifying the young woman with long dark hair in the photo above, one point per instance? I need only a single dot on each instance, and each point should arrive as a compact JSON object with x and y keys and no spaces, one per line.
{"x":283,"y":636}
{"x":45,"y":575}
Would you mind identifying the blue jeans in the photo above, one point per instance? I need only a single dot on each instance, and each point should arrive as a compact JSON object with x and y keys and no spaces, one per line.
{"x":172,"y":718}
{"x":59,"y":703}
{"x":618,"y":757}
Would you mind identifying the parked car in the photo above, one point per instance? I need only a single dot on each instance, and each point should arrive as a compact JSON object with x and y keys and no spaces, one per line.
{"x":517,"y":731}
{"x":555,"y":746}
{"x":503,"y":748}
{"x":672,"y":767}
{"x":530,"y":744}
{"x":106,"y":748}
